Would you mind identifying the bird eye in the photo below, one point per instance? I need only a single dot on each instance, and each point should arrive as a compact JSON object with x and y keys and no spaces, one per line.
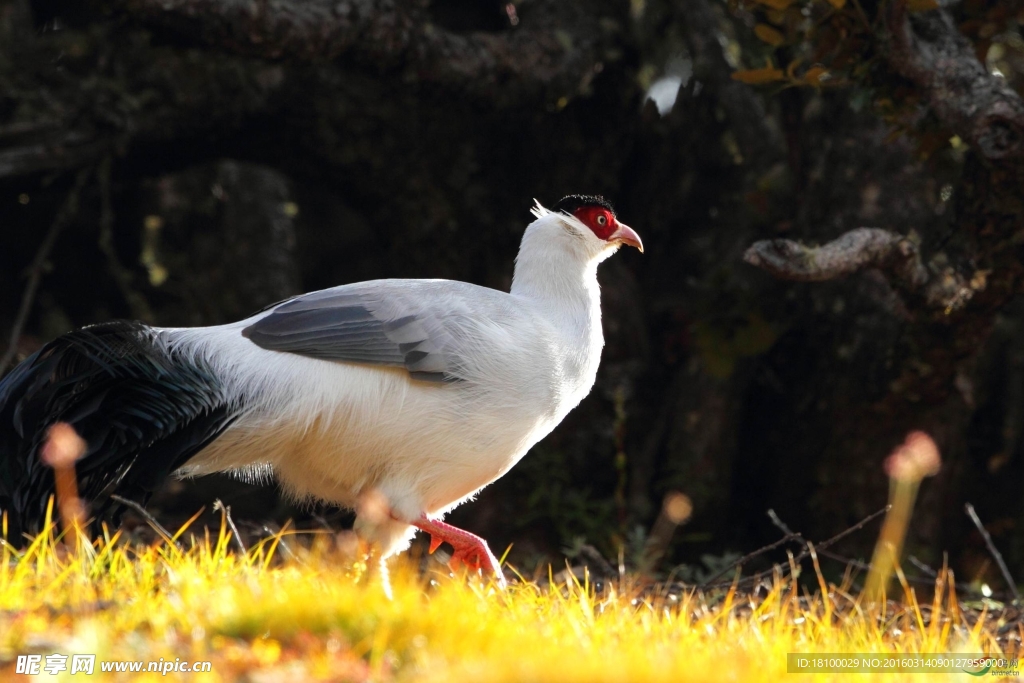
{"x":601,"y":220}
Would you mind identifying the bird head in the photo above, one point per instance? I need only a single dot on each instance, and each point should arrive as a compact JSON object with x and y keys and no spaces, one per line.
{"x":592,"y":222}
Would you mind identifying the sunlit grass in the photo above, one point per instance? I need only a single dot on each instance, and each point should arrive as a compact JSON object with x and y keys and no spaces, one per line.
{"x":320,"y":616}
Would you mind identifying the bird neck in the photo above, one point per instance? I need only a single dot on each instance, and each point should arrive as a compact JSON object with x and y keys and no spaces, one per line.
{"x":554,"y":272}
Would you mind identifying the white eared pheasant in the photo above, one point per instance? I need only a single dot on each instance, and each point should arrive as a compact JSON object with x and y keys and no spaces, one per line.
{"x":418,"y":392}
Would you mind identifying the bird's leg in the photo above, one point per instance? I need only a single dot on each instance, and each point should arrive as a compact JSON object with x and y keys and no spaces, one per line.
{"x":470,"y":550}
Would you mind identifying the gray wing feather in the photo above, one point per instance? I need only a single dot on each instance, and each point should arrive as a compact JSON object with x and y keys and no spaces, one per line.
{"x":351,"y":327}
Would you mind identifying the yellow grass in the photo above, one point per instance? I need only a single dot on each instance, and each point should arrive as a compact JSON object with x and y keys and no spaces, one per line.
{"x":319,"y":616}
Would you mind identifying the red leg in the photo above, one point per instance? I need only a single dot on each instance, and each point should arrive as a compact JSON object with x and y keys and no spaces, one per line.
{"x":470,"y":550}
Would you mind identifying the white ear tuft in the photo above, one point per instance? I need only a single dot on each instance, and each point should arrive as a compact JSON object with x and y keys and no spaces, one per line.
{"x":538,"y":211}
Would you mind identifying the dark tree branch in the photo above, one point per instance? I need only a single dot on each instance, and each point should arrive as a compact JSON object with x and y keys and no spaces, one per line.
{"x":556,"y":49}
{"x":893,"y":254}
{"x":981,"y":108}
{"x":552,"y":55}
{"x":851,"y":252}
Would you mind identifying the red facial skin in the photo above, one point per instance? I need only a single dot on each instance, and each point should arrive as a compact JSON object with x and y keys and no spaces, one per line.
{"x":601,"y":221}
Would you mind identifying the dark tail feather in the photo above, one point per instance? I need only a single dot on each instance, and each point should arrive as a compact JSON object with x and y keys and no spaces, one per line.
{"x":141,"y":410}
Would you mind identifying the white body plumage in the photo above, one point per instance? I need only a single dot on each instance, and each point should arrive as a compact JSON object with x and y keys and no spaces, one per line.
{"x":336,"y":430}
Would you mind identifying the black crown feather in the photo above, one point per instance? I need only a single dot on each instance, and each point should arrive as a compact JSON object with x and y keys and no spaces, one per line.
{"x":573,"y":202}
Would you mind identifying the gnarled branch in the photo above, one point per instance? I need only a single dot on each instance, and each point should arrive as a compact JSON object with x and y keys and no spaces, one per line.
{"x":895,"y":255}
{"x":853,"y":251}
{"x":555,"y":49}
{"x":981,"y":108}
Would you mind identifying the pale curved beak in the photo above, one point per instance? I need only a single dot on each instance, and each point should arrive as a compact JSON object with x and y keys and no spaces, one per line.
{"x":627,"y":235}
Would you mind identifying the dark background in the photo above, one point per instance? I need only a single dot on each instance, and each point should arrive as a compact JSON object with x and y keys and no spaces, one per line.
{"x":194,"y":160}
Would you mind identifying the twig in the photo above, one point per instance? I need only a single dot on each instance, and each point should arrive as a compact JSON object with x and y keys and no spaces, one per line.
{"x":834,"y":539}
{"x":992,"y":549}
{"x":282,"y":544}
{"x":794,"y":536}
{"x":219,"y":505}
{"x":856,"y":564}
{"x":856,"y":527}
{"x":148,"y":517}
{"x":749,"y":556}
{"x":64,"y":215}
{"x":922,"y":566}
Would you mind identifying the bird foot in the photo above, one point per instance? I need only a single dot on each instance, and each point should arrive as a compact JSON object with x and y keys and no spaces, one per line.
{"x":471,"y":551}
